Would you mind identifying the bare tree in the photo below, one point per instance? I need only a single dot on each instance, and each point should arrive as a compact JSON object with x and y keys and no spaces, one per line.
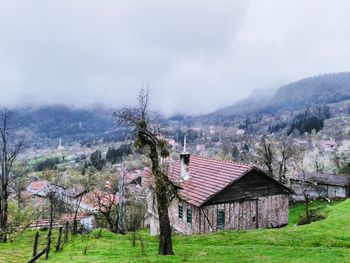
{"x":286,"y":153}
{"x":266,"y":154}
{"x":107,"y":205}
{"x":20,"y":171}
{"x":276,"y":160}
{"x":10,"y":146}
{"x":155,"y":149}
{"x":86,"y":184}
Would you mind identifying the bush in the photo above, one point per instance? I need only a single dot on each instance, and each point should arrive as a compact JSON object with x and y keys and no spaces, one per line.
{"x":47,"y":164}
{"x":314,"y":216}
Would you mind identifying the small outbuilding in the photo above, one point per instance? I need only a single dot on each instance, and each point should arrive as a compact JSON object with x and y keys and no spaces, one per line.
{"x":320,"y":186}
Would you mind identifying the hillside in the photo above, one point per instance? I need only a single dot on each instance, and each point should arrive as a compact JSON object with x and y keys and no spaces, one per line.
{"x":322,"y":89}
{"x":322,"y":241}
{"x":255,"y":101}
{"x":44,"y":126}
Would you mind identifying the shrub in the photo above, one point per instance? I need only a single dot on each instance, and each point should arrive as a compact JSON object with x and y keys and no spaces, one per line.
{"x":314,"y":216}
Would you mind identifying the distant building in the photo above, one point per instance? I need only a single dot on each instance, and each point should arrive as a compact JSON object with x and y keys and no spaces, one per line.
{"x":328,"y":146}
{"x":35,"y":193}
{"x":172,"y":143}
{"x":240,"y":132}
{"x":200,"y":148}
{"x":320,"y":185}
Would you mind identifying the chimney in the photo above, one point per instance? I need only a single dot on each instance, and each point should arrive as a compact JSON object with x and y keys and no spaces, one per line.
{"x":184,"y":163}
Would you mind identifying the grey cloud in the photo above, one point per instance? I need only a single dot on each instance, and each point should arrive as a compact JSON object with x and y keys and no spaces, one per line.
{"x":198,"y":55}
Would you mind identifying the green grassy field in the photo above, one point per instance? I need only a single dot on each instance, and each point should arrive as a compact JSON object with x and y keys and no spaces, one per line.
{"x":324,"y":241}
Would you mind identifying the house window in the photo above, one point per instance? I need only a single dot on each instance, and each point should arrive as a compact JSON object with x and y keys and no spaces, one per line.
{"x":181,"y":210}
{"x":189,"y":216}
{"x":253,"y":219}
{"x":221,"y":219}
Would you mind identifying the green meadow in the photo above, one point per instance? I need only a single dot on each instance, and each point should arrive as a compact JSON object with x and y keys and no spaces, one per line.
{"x":323,"y":241}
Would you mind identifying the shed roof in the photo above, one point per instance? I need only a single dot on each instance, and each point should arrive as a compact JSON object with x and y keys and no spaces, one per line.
{"x":207,"y":177}
{"x":323,"y":178}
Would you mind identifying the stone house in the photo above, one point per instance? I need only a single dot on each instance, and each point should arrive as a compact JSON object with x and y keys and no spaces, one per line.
{"x":224,"y":195}
{"x":320,"y":186}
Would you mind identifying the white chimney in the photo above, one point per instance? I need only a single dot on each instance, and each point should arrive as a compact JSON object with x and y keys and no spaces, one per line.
{"x":184,"y":163}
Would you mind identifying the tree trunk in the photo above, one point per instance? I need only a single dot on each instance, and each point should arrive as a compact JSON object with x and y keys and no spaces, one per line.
{"x":8,"y":154}
{"x":165,"y":242}
{"x":35,"y":246}
{"x":75,"y":220}
{"x":65,"y":240}
{"x":3,"y":217}
{"x":120,"y":224}
{"x":58,"y":246}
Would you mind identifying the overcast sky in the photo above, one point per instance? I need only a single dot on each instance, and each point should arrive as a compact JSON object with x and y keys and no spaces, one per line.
{"x":198,"y":55}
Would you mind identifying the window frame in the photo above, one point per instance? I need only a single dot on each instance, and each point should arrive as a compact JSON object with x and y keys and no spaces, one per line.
{"x":189,"y":216}
{"x":220,"y":225}
{"x":180,"y":207}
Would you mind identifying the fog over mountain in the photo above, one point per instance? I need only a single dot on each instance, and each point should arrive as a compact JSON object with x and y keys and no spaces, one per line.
{"x":300,"y":94}
{"x":198,"y":55}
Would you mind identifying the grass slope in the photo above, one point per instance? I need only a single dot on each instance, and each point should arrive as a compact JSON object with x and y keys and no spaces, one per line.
{"x":323,"y":241}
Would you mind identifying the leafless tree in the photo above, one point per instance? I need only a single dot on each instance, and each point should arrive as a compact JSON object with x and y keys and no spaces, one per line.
{"x":155,"y":149}
{"x":86,"y":183}
{"x":305,"y":189}
{"x":20,"y":179}
{"x":10,"y":146}
{"x":266,"y":154}
{"x":107,"y":204}
{"x":276,"y":157}
{"x":286,"y":153}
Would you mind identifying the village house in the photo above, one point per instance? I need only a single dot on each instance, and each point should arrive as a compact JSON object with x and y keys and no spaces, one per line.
{"x":35,"y":193}
{"x":320,"y":186}
{"x":223,"y":195}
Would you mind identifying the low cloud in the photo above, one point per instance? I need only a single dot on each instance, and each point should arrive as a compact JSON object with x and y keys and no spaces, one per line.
{"x":198,"y":55}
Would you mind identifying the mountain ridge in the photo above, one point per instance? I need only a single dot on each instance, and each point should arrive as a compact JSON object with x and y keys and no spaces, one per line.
{"x":319,"y":89}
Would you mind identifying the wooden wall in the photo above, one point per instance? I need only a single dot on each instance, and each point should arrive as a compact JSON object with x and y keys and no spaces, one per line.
{"x":253,"y":185}
{"x":262,"y":212}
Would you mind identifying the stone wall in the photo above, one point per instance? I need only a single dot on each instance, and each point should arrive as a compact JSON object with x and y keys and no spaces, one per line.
{"x":318,"y":191}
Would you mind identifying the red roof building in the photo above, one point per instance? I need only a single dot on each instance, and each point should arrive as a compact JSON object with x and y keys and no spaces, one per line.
{"x":216,"y":194}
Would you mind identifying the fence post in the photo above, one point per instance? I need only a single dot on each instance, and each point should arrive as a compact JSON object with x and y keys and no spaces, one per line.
{"x":58,"y":246}
{"x":35,"y":246}
{"x":66,"y":231}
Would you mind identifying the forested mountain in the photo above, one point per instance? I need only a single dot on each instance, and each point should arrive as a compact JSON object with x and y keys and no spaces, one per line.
{"x":322,"y":89}
{"x":46,"y":125}
{"x":255,"y":101}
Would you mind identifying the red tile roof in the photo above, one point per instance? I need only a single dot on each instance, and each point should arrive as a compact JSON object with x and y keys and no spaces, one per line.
{"x":38,"y":185}
{"x":207,"y":177}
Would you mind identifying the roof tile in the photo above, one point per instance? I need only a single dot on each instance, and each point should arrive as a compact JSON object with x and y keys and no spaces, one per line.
{"x":207,"y":177}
